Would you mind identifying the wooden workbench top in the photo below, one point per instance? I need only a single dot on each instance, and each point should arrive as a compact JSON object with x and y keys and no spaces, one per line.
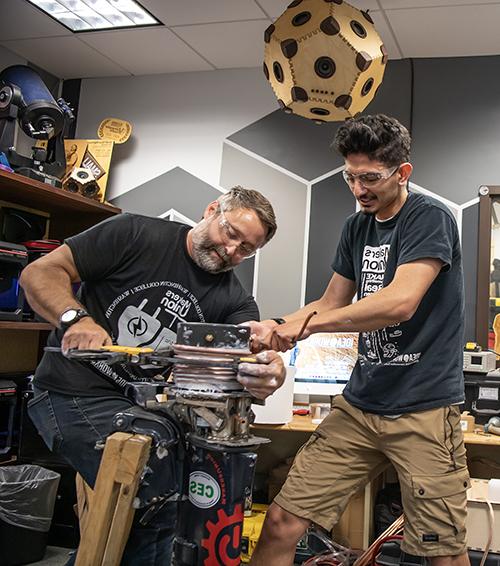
{"x":304,"y":424}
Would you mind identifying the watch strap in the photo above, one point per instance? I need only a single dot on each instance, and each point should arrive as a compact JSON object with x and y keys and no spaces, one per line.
{"x":80,"y":313}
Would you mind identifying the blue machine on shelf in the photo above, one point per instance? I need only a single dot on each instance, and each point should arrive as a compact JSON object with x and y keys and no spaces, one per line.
{"x":27,"y":103}
{"x":13,"y":257}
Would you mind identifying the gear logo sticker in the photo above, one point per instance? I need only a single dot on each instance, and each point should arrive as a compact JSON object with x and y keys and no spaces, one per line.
{"x":204,"y":491}
{"x":223,"y":541}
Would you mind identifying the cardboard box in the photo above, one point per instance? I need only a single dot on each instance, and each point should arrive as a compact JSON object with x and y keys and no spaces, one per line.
{"x":90,"y":154}
{"x":478,"y":517}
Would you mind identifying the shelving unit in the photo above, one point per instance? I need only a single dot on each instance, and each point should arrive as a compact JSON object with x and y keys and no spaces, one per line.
{"x":24,"y":325}
{"x":69,"y":214}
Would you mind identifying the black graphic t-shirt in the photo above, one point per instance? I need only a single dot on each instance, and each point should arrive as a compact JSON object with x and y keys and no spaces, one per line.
{"x":414,"y":365}
{"x":139,"y":282}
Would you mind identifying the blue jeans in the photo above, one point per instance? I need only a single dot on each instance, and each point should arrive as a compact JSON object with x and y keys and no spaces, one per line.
{"x":71,"y":426}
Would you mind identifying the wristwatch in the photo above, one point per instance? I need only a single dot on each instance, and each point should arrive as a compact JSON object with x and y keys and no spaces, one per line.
{"x":70,"y":316}
{"x":279,"y":320}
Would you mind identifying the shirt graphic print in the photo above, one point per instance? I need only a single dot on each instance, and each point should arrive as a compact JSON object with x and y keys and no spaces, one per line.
{"x":381,"y":346}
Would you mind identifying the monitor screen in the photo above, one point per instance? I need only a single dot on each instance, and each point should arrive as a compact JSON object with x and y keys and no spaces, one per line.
{"x":324,"y":362}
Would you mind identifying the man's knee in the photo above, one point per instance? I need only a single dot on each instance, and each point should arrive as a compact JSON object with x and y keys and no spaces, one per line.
{"x":281,"y":524}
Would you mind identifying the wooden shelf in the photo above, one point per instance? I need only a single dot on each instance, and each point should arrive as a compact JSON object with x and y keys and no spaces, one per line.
{"x":35,"y":194}
{"x":24,"y":325}
{"x":21,"y":343}
{"x":298,"y":423}
{"x":479,"y":437}
{"x":304,"y":424}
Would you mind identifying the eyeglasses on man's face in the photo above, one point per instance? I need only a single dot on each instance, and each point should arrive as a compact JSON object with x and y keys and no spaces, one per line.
{"x":231,"y":238}
{"x":369,"y":179}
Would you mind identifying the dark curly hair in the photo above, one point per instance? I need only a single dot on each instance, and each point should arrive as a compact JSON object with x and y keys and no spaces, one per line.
{"x":379,"y":137}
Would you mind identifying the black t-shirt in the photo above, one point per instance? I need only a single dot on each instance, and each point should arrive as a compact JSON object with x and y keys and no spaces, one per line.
{"x":139,"y":282}
{"x":414,"y":365}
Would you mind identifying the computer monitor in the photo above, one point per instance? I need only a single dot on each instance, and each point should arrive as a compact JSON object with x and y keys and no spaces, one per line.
{"x":324,"y":362}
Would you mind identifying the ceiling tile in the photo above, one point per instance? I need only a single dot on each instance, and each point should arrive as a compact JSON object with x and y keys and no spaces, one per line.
{"x":228,"y":45}
{"x":19,"y":20}
{"x":397,"y":4}
{"x":65,"y":57}
{"x":365,"y":4}
{"x":203,"y":11}
{"x":462,"y":31}
{"x":166,"y":53}
{"x":386,"y":35}
{"x":274,"y":8}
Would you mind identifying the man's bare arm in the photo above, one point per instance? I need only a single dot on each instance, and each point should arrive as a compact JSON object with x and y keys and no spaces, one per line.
{"x":392,"y":304}
{"x":47,"y":284}
{"x":339,"y":293}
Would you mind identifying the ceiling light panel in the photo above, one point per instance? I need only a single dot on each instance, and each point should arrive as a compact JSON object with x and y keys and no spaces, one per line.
{"x":89,"y":15}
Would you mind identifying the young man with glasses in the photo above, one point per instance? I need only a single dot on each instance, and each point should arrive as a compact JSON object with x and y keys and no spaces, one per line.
{"x":140,"y":276}
{"x":401,"y":255}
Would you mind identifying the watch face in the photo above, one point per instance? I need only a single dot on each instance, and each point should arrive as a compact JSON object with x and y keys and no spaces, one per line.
{"x":69,"y":315}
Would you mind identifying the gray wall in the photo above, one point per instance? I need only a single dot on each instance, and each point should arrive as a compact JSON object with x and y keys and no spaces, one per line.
{"x":186,"y":194}
{"x":279,"y":272}
{"x":303,"y":147}
{"x":456,"y":125}
{"x":7,"y":58}
{"x":178,"y":120}
{"x":331,"y":204}
{"x":451,"y":105}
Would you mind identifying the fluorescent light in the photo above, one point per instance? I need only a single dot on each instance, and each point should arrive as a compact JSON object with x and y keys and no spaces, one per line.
{"x":88,"y":15}
{"x":51,"y":6}
{"x":73,"y":22}
{"x":95,"y":21}
{"x":73,"y":5}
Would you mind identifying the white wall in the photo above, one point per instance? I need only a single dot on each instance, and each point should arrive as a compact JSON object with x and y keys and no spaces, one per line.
{"x":7,"y":58}
{"x":178,"y":119}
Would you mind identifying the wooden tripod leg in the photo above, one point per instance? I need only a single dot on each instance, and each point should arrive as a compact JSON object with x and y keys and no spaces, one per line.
{"x":110,"y":516}
{"x":84,"y":496}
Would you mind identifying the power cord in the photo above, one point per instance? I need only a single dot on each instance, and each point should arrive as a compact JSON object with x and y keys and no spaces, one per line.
{"x":491,"y":525}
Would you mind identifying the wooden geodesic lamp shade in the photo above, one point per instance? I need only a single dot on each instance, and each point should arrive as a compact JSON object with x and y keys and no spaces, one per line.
{"x":324,"y":59}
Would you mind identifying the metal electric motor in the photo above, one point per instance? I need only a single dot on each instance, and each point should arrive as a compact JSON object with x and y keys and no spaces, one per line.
{"x":200,"y":416}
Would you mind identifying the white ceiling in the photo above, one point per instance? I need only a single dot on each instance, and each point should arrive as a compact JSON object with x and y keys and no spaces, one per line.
{"x":201,"y":35}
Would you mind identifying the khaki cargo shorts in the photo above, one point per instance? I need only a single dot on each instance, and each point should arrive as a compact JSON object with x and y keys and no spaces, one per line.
{"x":351,"y":447}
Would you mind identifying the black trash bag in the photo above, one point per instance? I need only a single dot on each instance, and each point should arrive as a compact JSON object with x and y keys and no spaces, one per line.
{"x":27,"y":496}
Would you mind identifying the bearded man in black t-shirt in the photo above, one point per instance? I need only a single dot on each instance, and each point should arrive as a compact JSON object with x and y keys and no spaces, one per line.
{"x":140,"y":277}
{"x":400,"y":254}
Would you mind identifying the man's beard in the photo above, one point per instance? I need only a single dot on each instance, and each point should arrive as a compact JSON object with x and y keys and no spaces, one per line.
{"x":202,"y":251}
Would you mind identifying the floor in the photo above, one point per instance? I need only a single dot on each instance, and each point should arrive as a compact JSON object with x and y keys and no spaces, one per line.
{"x":54,"y":556}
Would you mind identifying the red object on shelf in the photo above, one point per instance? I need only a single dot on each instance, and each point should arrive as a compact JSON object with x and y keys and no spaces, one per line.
{"x":301,"y":412}
{"x":42,"y":245}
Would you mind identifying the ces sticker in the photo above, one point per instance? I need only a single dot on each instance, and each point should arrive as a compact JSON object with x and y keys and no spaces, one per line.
{"x":204,"y":491}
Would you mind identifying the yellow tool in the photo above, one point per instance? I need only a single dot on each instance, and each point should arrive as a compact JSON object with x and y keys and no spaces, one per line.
{"x":127,"y":350}
{"x":472,"y":347}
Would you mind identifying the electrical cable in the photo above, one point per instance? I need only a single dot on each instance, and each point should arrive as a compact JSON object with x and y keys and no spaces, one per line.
{"x":396,"y":528}
{"x":491,"y":524}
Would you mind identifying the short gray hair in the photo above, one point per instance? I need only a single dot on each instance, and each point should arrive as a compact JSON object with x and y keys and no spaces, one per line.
{"x":238,"y":197}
